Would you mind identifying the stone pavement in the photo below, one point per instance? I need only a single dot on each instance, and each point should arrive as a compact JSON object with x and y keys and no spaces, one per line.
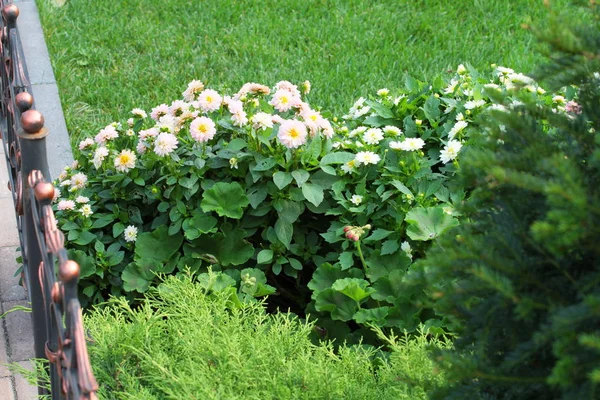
{"x":16,"y":338}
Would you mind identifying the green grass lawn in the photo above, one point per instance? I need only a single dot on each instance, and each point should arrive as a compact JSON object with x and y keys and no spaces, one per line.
{"x":109,"y":57}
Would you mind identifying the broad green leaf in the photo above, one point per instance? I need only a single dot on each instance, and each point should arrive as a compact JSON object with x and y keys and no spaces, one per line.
{"x":103,"y":221}
{"x":288,"y":210}
{"x":313,"y":193}
{"x":380,"y":109}
{"x":375,"y":316}
{"x":265,"y":165}
{"x":297,"y":265}
{"x":388,"y":288}
{"x":117,"y":229}
{"x":215,"y":282}
{"x":327,"y":274}
{"x":401,"y":187}
{"x":87,"y":264}
{"x":389,"y":247}
{"x":284,"y":231}
{"x":377,"y":235}
{"x":428,"y":223}
{"x":136,"y":278}
{"x":356,"y":289}
{"x":157,"y":245}
{"x":84,"y":238}
{"x":226,"y":199}
{"x":228,"y":247}
{"x":69,"y":225}
{"x":340,"y":157}
{"x":346,"y":260}
{"x":254,"y":283}
{"x":432,"y":109}
{"x":300,"y":176}
{"x":257,"y":195}
{"x":380,"y":266}
{"x":264,"y":256}
{"x":282,"y":179}
{"x":116,"y":258}
{"x":340,"y":306}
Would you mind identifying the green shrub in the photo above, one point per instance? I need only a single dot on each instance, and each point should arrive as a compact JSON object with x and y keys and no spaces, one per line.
{"x":182,"y":343}
{"x":523,"y":274}
{"x":326,"y":222}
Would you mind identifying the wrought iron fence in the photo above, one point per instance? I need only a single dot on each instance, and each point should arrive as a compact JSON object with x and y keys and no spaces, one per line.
{"x":50,"y":277}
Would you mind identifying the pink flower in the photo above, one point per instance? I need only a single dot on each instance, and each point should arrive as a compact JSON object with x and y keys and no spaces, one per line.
{"x":66,"y":205}
{"x":202,"y":129}
{"x":209,"y":100}
{"x":106,"y":134}
{"x":292,"y":133}
{"x":159,"y":111}
{"x":194,"y":87}
{"x":573,"y":107}
{"x":165,"y":144}
{"x":283,"y":100}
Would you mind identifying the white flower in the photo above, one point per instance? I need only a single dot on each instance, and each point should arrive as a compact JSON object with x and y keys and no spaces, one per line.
{"x":357,"y":110}
{"x":460,"y":117}
{"x":283,"y":100}
{"x":141,"y":147}
{"x":306,"y":87}
{"x":106,"y":134}
{"x":130,"y":132}
{"x":147,"y":133}
{"x":292,"y":133}
{"x":461,"y":70}
{"x":168,"y":123}
{"x":261,"y":120}
{"x":356,"y":199}
{"x":311,"y":118}
{"x":99,"y":156}
{"x":66,"y":182}
{"x":357,"y":131}
{"x":159,"y":111}
{"x":125,"y":161}
{"x":79,"y":180}
{"x":66,"y":205}
{"x":559,"y":99}
{"x":194,"y":87}
{"x":451,"y":87}
{"x":491,"y":86}
{"x":409,"y":144}
{"x":202,"y":129}
{"x":86,"y":143}
{"x":239,"y":118}
{"x":326,"y":128}
{"x":383,"y":92}
{"x":165,"y":144}
{"x":373,"y":136}
{"x":469,"y":105}
{"x":130,"y":233}
{"x":178,"y":107}
{"x":86,"y":210}
{"x":405,"y":247}
{"x":138,"y":112}
{"x":209,"y":100}
{"x":505,"y":71}
{"x":82,"y":199}
{"x":348,"y":167}
{"x":450,"y":151}
{"x":459,"y":126}
{"x":57,"y":194}
{"x":392,"y":130}
{"x":367,"y":157}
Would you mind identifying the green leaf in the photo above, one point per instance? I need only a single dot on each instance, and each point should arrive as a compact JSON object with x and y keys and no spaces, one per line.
{"x":346,"y":260}
{"x":356,"y":289}
{"x":380,"y":109}
{"x":313,"y":193}
{"x":163,"y":206}
{"x":264,"y":256}
{"x":103,"y":221}
{"x":215,"y":282}
{"x":297,"y":265}
{"x":257,"y":195}
{"x":327,"y":274}
{"x":254,"y":283}
{"x":282,"y":179}
{"x":380,"y":266}
{"x":157,"y":245}
{"x":87,"y":264}
{"x":340,"y":306}
{"x":229,"y":247}
{"x":117,"y":229}
{"x":136,"y":278}
{"x":389,"y":247}
{"x":227,"y":199}
{"x":84,"y":238}
{"x":300,"y":176}
{"x":139,"y":181}
{"x":69,"y":225}
{"x":284,"y":231}
{"x":341,"y":157}
{"x":265,"y":165}
{"x":116,"y":258}
{"x":432,"y":109}
{"x":374,"y":316}
{"x":428,"y":223}
{"x":377,"y":235}
{"x":288,"y":210}
{"x":402,"y":188}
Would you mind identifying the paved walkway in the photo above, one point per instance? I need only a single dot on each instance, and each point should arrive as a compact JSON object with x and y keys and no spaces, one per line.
{"x":16,"y":339}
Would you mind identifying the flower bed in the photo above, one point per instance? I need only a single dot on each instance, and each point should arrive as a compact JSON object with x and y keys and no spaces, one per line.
{"x":325,"y":215}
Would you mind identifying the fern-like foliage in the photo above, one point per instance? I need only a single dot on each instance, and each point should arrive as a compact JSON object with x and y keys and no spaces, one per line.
{"x":523,"y":276}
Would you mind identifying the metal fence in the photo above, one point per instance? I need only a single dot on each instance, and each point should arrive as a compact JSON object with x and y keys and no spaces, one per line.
{"x":49,"y":276}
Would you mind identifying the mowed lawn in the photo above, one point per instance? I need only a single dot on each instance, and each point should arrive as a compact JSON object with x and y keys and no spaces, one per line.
{"x":112,"y":56}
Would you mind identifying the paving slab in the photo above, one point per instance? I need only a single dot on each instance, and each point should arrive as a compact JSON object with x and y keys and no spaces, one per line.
{"x":20,"y":332}
{"x":8,"y":223}
{"x":6,"y":389}
{"x":10,"y":290}
{"x":24,"y":389}
{"x":4,"y":360}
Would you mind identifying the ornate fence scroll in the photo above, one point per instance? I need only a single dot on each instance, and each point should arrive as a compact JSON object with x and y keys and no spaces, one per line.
{"x":50,"y":277}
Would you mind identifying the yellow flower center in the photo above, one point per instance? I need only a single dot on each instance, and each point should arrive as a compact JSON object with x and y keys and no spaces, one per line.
{"x":284,"y":100}
{"x":124,"y":158}
{"x":203,"y":128}
{"x":294,"y":133}
{"x":209,"y":99}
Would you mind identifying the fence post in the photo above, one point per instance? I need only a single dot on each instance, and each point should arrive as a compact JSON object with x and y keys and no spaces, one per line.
{"x":32,"y":140}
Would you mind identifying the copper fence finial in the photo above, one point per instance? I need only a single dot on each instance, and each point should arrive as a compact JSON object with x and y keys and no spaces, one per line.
{"x":32,"y":121}
{"x":24,"y":101}
{"x":10,"y":13}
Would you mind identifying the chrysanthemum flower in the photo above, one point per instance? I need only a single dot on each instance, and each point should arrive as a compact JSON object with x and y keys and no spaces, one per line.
{"x":106,"y":134}
{"x":148,"y":133}
{"x":261,"y":120}
{"x":292,"y":133}
{"x":326,"y":128}
{"x":194,"y":87}
{"x":165,"y":144}
{"x":82,"y":199}
{"x":450,"y":151}
{"x":357,"y":131}
{"x":471,"y":104}
{"x":356,"y":199}
{"x":373,"y":136}
{"x":202,"y":129}
{"x":99,"y":156}
{"x":392,"y":130}
{"x":283,"y":100}
{"x":79,"y":180}
{"x":138,"y":112}
{"x":289,"y":87}
{"x":159,"y":111}
{"x":125,"y":161}
{"x":86,"y":210}
{"x":409,"y":144}
{"x":239,"y":118}
{"x":367,"y":157}
{"x":178,"y":107}
{"x":130,"y":233}
{"x":84,"y":144}
{"x":209,"y":100}
{"x":66,"y":205}
{"x":459,"y":126}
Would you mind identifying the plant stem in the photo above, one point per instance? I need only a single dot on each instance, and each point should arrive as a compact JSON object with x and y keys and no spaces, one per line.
{"x":360,"y":254}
